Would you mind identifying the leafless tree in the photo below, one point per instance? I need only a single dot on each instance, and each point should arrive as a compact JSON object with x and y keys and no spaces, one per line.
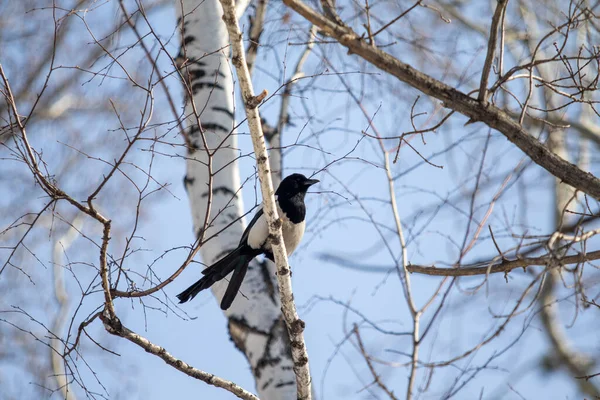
{"x":454,"y":141}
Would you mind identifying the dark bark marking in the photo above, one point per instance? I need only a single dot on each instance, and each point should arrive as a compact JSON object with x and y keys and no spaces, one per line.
{"x":241,"y":326}
{"x":278,"y":330}
{"x":196,"y":74}
{"x":264,"y":362}
{"x":224,"y":110}
{"x":194,"y":129}
{"x":224,"y":189}
{"x":193,"y":147}
{"x":297,"y":327}
{"x":267,"y":384}
{"x":202,"y":85}
{"x":188,"y":182}
{"x":282,"y":384}
{"x":197,"y":63}
{"x":231,"y":216}
{"x":215,"y":127}
{"x":301,"y":362}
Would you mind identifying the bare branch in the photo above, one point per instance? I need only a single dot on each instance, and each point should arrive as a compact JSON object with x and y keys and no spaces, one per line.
{"x":294,"y":324}
{"x":256,"y":28}
{"x":505,"y":266}
{"x":114,"y":326}
{"x":491,"y":50}
{"x":367,"y":358}
{"x":455,"y":100}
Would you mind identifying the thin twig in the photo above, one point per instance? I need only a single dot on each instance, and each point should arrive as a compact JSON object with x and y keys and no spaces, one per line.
{"x":364,"y":353}
{"x":383,"y":28}
{"x":491,"y":51}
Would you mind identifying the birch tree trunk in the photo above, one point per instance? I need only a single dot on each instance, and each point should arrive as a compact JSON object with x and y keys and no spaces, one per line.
{"x":254,"y":320}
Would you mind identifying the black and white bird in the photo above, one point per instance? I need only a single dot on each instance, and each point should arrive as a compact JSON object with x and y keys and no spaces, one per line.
{"x":289,"y":197}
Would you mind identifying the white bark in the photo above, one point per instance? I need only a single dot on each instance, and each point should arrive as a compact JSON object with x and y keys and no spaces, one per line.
{"x":294,"y":324}
{"x":255,"y":320}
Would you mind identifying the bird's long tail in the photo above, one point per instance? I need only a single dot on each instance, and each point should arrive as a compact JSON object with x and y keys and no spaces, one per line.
{"x":236,"y":261}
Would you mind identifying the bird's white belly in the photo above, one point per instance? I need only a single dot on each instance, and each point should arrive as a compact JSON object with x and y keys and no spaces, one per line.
{"x":292,"y":233}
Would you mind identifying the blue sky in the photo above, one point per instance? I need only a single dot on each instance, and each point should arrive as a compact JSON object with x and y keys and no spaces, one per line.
{"x":328,"y":122}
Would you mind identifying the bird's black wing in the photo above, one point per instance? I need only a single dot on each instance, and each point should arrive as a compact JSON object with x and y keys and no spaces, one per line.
{"x":244,"y":239}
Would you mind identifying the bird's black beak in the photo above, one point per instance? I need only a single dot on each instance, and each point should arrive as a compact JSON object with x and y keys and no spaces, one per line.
{"x":310,"y":182}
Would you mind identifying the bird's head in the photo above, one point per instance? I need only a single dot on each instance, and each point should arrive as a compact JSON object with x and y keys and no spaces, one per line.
{"x":294,"y":184}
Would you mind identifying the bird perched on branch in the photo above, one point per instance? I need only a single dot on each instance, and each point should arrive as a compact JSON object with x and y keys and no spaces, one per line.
{"x":289,"y":197}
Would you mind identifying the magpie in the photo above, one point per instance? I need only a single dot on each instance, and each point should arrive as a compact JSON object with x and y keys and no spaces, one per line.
{"x":289,"y":197}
